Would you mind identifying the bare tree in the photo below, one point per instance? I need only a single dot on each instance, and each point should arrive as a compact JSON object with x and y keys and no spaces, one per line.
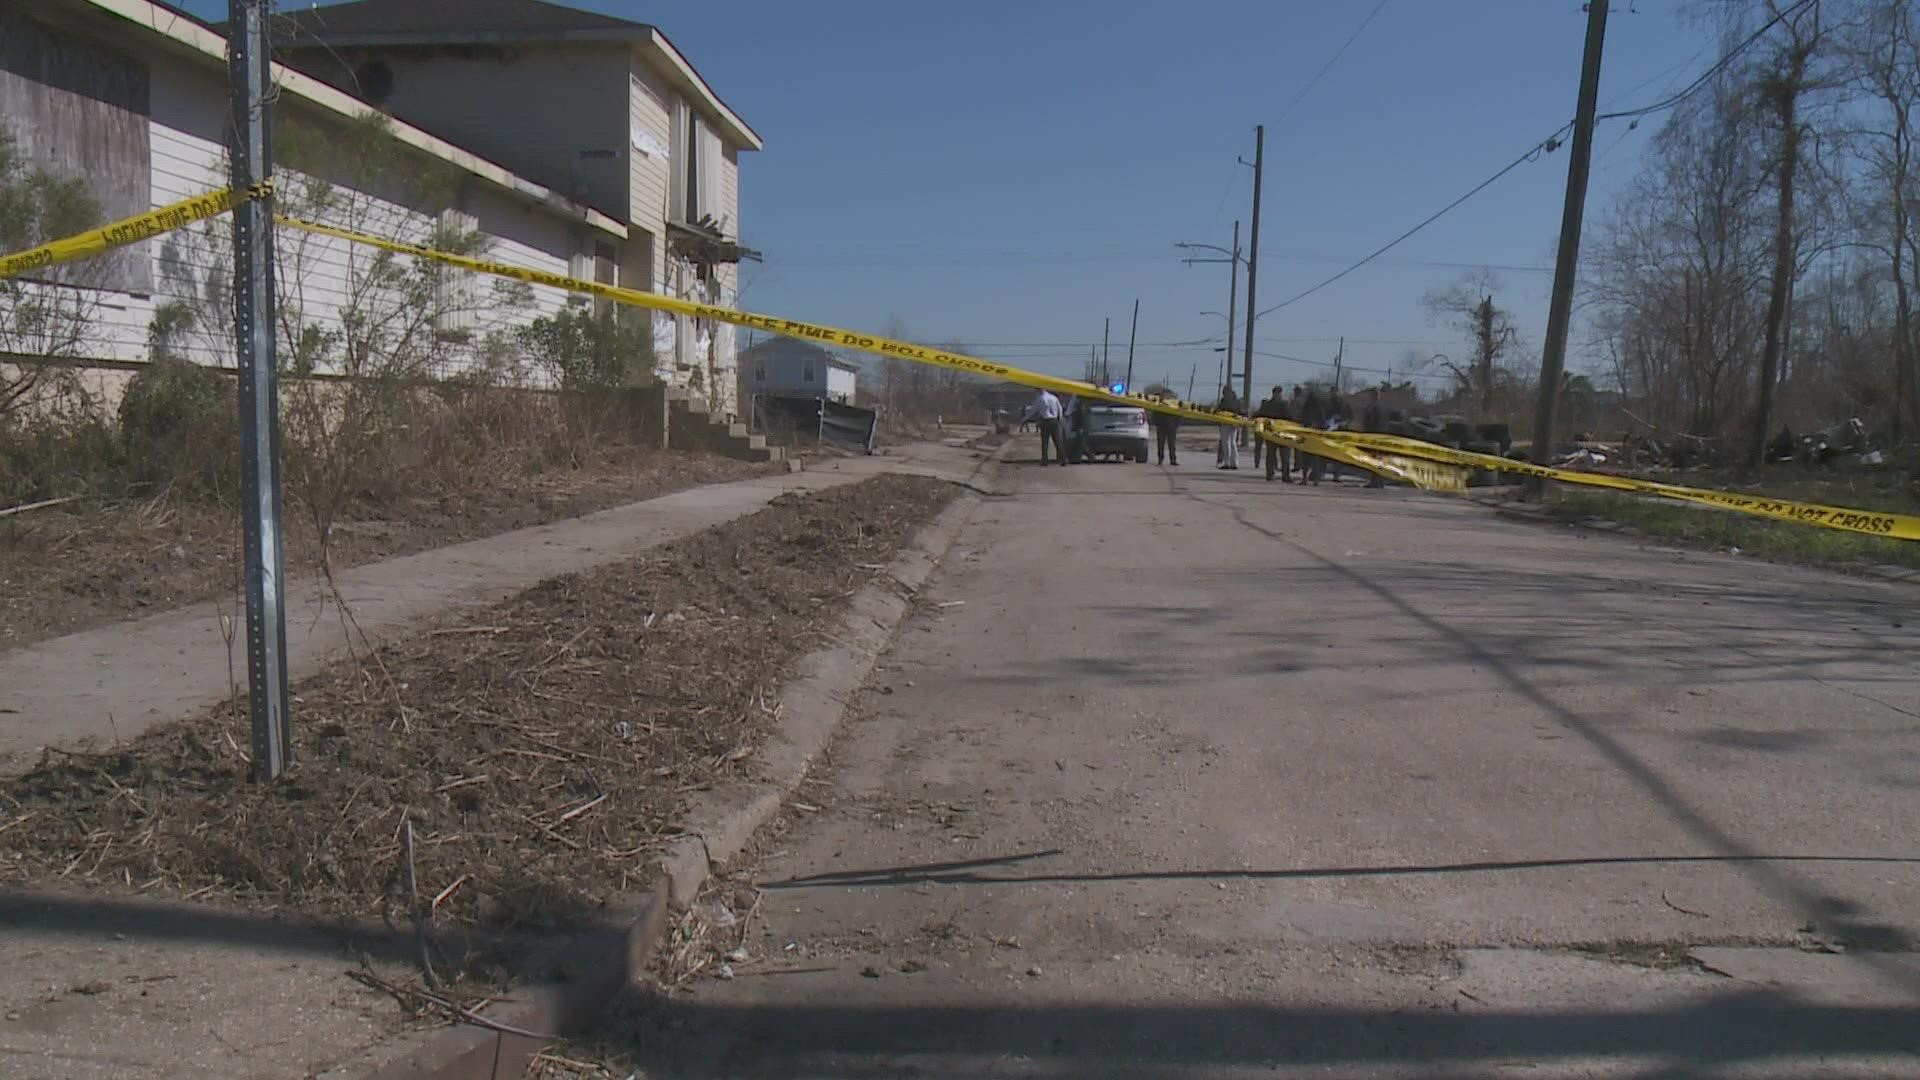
{"x":1882,"y":50}
{"x":1677,"y":266}
{"x":1468,"y":306}
{"x":48,"y":319}
{"x":360,"y":329}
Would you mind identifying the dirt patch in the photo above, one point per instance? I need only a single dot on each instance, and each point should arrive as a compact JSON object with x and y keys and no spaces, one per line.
{"x":541,"y":749}
{"x":1657,"y":955}
{"x":67,"y":568}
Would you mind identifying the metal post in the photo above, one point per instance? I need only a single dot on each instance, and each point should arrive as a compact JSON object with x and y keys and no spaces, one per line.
{"x":1253,"y":267}
{"x":1553,"y":356}
{"x":250,"y":54}
{"x":1131,"y":334}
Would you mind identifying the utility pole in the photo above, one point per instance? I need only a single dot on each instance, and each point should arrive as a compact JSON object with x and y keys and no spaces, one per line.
{"x":249,"y":66}
{"x":1131,"y":334}
{"x":1233,"y":296}
{"x":1192,"y":373}
{"x":1553,"y":356}
{"x":1339,"y":358}
{"x":1232,"y":260}
{"x":1253,"y":268}
{"x":1106,"y":374}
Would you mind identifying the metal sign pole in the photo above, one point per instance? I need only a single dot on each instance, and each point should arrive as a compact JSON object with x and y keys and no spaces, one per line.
{"x":249,"y":66}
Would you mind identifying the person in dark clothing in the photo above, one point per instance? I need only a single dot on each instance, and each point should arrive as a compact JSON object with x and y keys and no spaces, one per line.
{"x":1373,"y":419}
{"x":1339,"y":417}
{"x":1280,"y":457}
{"x":1166,"y":438}
{"x":1228,"y":456}
{"x":1313,"y":414}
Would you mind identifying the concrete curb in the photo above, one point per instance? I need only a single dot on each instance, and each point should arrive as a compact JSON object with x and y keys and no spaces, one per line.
{"x":593,"y":967}
{"x":720,"y":824}
{"x":580,"y":978}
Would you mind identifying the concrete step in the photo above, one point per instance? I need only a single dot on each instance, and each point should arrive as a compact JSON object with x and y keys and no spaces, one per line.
{"x":692,"y":428}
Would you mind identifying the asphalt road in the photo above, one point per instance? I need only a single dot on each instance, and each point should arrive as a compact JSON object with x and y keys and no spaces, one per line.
{"x":1196,"y":775}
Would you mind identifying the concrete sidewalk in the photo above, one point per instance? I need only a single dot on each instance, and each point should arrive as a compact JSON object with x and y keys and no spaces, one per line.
{"x":117,"y":681}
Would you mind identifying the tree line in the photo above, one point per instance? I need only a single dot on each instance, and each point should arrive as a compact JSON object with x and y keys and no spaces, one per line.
{"x":1759,"y":270}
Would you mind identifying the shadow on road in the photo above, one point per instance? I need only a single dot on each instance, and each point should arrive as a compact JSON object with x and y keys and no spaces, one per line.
{"x":1506,"y":656}
{"x":970,"y":872}
{"x":145,"y":919}
{"x":692,"y":1038}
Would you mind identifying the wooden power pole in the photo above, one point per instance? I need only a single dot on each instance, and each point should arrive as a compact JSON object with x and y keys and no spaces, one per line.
{"x":1253,"y":268}
{"x":1131,"y":334}
{"x":1553,"y":356}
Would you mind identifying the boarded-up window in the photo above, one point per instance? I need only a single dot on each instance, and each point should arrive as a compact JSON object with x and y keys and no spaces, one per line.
{"x":77,"y":110}
{"x":605,"y":272}
{"x":709,"y":153}
{"x":460,"y":292}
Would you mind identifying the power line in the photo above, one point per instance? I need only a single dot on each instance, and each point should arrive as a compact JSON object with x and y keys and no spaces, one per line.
{"x":1720,"y":65}
{"x":971,"y":344}
{"x":1344,"y":366}
{"x":1533,"y":152}
{"x":1331,"y":60}
{"x":1359,"y":341}
{"x":1015,"y":258}
{"x":1546,"y":145}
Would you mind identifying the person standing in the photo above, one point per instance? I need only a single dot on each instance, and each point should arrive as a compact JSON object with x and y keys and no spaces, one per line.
{"x":1278,"y":456}
{"x":1339,"y":418}
{"x":1045,"y":414}
{"x":1166,"y":438}
{"x":1373,"y":420}
{"x":1228,"y":456}
{"x":1313,"y":414}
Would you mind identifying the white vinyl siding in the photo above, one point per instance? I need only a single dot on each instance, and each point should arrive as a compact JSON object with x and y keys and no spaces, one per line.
{"x":194,"y":265}
{"x":730,"y":190}
{"x":650,"y":123}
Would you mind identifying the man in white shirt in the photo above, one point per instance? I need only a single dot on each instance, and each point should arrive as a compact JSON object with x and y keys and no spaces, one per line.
{"x":1045,"y":412}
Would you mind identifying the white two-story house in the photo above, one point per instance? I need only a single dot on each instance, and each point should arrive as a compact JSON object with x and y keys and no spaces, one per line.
{"x":604,"y":111}
{"x":132,"y":98}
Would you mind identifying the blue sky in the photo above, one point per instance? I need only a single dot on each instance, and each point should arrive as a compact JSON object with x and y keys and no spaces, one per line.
{"x":1007,"y":174}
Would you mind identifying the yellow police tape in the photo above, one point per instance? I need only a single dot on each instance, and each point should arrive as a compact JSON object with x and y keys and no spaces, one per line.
{"x":125,"y":231}
{"x":1870,"y":523}
{"x":1425,"y":465}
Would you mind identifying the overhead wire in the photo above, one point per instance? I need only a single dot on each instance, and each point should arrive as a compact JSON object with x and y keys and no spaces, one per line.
{"x":1331,"y":60}
{"x":1543,"y":146}
{"x":1533,"y":152}
{"x":1719,"y":66}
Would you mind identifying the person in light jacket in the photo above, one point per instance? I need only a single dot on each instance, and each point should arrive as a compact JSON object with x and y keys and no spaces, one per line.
{"x":1228,"y":456}
{"x":1045,"y":413}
